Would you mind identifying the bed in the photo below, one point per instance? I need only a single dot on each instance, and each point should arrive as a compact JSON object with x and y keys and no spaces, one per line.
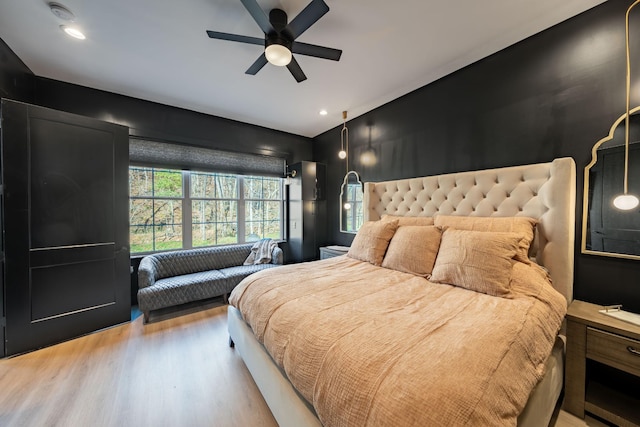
{"x":281,"y":353}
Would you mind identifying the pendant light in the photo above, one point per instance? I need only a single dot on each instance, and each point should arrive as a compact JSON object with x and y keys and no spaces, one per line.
{"x":344,"y":152}
{"x":344,"y":140}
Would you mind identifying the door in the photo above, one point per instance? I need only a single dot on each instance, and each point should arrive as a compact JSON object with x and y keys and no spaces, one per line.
{"x":66,"y":241}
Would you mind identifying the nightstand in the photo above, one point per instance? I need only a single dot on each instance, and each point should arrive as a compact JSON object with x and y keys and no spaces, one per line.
{"x":331,"y":251}
{"x":602,"y":374}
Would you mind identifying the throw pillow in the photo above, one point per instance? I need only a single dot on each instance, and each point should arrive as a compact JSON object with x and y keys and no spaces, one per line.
{"x":413,"y":249}
{"x":476,"y":260}
{"x":371,"y":241}
{"x":524,"y":226}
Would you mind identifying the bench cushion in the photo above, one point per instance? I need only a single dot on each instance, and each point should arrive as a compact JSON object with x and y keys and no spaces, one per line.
{"x":182,"y":289}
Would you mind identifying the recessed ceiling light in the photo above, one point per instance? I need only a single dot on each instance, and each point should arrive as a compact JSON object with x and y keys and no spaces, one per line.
{"x":73,"y":32}
{"x":323,"y":112}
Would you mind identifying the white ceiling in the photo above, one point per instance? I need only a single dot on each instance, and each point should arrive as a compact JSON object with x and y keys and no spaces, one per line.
{"x":158,"y":50}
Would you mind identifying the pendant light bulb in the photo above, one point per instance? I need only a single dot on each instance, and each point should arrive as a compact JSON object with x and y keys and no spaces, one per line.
{"x":342,"y":154}
{"x":626,"y":202}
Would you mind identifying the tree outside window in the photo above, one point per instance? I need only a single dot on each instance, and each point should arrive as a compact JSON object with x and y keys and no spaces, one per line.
{"x":155,"y":209}
{"x":263,"y":209}
{"x":214,"y":209}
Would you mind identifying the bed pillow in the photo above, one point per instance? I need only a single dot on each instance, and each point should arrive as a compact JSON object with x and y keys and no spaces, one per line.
{"x":372,"y":240}
{"x":524,"y":226}
{"x":409,"y":220}
{"x":413,"y":249}
{"x":477,"y":260}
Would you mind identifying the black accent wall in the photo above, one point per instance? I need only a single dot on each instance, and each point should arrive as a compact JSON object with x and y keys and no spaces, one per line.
{"x":166,"y":123}
{"x":552,"y":95}
{"x":16,"y":79}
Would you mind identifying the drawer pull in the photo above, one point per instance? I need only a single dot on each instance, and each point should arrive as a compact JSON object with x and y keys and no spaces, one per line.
{"x":633,"y":351}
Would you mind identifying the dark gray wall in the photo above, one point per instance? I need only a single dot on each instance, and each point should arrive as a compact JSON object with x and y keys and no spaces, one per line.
{"x":166,"y":123}
{"x":16,"y":79}
{"x":552,"y":95}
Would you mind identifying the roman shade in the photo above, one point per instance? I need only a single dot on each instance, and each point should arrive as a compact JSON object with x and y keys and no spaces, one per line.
{"x":155,"y":153}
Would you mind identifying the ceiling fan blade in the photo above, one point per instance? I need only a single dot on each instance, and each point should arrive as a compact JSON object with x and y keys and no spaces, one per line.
{"x":296,"y":71}
{"x":258,"y":15}
{"x":317,"y":51}
{"x":235,"y":38}
{"x":309,"y":15}
{"x":257,"y":66}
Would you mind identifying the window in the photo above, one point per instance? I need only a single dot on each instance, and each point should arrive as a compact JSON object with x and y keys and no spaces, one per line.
{"x":353,"y":208}
{"x":172,"y":209}
{"x":263,"y":208}
{"x":214,"y":209}
{"x":155,"y":209}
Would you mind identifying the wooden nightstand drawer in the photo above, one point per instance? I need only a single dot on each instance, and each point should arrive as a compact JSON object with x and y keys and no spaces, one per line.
{"x":614,"y":350}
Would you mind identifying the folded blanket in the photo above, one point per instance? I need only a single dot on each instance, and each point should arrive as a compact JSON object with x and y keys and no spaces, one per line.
{"x":261,"y":252}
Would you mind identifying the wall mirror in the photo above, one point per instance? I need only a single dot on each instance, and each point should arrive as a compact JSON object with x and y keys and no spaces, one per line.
{"x":606,"y":230}
{"x":351,"y":209}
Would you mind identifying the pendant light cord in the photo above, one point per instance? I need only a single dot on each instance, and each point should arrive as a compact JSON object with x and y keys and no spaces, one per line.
{"x":344,"y":138}
{"x":626,"y":124}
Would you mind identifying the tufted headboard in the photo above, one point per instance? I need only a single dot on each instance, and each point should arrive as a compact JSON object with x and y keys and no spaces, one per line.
{"x":545,"y":191}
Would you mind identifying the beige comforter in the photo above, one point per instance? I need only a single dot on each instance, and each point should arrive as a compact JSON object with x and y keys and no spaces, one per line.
{"x":368,"y":346}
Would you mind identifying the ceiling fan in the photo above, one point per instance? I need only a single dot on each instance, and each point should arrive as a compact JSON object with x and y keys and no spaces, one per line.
{"x":280,"y":35}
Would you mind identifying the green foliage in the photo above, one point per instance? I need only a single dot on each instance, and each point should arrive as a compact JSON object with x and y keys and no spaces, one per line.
{"x":167,"y":183}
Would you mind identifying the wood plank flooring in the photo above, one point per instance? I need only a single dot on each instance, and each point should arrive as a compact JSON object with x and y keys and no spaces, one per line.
{"x":176,"y":371}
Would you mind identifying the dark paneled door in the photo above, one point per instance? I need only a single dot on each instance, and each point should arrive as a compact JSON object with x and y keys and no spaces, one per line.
{"x":66,"y":244}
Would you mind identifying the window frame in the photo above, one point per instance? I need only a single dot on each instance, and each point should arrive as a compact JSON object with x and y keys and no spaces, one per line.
{"x":187,"y":211}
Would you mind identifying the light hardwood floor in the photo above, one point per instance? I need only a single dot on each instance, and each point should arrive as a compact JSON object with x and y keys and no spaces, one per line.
{"x":176,"y":371}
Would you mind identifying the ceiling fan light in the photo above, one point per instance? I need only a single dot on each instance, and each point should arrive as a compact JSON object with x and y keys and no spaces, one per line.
{"x":626,"y":202}
{"x":278,"y":55}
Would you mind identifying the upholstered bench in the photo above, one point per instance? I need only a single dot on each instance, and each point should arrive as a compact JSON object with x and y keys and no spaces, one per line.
{"x":172,"y":278}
